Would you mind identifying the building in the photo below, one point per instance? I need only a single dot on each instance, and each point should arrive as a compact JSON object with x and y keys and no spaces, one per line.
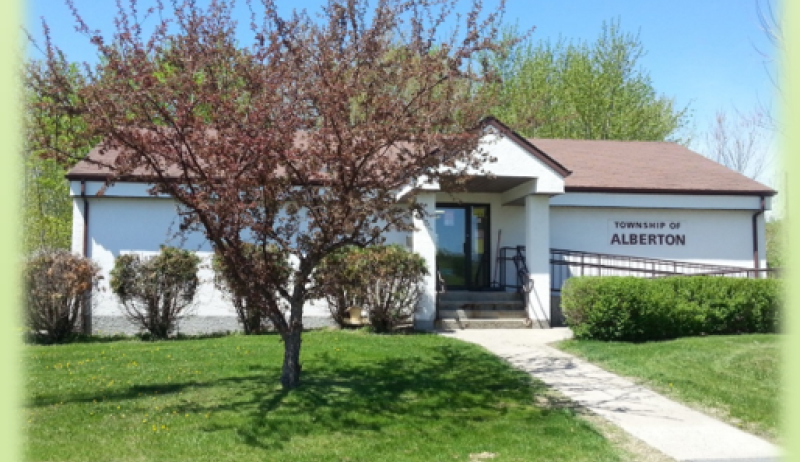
{"x":649,"y":200}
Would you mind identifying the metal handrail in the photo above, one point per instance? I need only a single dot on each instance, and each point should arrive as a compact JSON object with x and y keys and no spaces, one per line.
{"x":624,"y":265}
{"x":440,"y":285}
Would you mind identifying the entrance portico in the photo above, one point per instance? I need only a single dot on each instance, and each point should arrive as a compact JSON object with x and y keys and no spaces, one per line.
{"x":509,"y":201}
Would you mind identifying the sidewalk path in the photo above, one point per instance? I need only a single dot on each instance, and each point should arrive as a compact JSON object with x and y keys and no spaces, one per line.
{"x":672,"y":428}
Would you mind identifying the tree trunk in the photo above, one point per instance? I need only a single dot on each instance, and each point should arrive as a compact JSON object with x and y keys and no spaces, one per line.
{"x":290,"y":377}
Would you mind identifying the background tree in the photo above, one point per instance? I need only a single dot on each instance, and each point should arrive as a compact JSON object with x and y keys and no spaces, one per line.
{"x":298,"y":142}
{"x":776,"y":243}
{"x":47,"y":207}
{"x":771,"y":26}
{"x":739,"y":142}
{"x":584,"y":90}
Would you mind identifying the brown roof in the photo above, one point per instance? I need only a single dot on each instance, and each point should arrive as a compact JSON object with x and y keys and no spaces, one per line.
{"x":587,"y":165}
{"x":94,"y":167}
{"x":644,"y":167}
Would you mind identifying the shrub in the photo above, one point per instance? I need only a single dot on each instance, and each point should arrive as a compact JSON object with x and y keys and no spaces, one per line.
{"x":636,"y":309}
{"x":776,"y":244}
{"x":385,"y":281}
{"x":57,"y":285}
{"x":252,"y":314}
{"x":156,"y":292}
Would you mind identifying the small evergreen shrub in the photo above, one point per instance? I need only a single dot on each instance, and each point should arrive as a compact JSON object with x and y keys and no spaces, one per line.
{"x":384,"y":281}
{"x":636,"y":309}
{"x":251,"y":313}
{"x":155,"y":292}
{"x":57,"y":284}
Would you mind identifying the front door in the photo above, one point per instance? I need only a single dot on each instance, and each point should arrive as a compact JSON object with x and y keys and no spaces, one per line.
{"x":462,"y":255}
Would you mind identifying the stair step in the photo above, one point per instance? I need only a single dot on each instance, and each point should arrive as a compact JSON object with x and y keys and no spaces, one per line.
{"x":483,"y":305}
{"x":459,"y":324}
{"x":467,"y":297}
{"x":482,"y":314}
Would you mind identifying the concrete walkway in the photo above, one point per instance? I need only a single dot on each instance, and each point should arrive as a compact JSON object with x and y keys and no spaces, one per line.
{"x":672,"y":428}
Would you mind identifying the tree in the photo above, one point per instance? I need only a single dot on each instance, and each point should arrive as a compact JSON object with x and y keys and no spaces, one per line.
{"x":47,"y":208}
{"x":583,"y":90}
{"x":776,"y":243}
{"x":297,"y":143}
{"x":739,"y":143}
{"x":771,"y":26}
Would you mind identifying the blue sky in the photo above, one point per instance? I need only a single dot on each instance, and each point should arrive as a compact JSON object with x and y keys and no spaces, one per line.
{"x":703,"y":53}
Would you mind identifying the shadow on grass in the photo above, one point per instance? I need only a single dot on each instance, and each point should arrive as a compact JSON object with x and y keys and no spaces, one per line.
{"x":451,"y":389}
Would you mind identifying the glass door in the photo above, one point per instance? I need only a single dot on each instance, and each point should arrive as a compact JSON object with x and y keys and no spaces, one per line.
{"x":462,"y":256}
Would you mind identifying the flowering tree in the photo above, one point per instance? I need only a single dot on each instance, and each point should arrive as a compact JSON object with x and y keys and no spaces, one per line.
{"x":297,"y":143}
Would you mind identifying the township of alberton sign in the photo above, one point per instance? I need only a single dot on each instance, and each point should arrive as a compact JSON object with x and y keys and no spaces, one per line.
{"x":628,"y":232}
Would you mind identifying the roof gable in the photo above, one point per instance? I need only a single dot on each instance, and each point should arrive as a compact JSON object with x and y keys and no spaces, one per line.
{"x":528,"y":147}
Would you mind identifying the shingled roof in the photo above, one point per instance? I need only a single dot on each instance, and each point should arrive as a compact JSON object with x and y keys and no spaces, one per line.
{"x":644,"y":167}
{"x":588,"y":166}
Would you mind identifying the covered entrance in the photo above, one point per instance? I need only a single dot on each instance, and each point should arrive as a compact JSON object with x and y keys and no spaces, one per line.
{"x":462,"y":253}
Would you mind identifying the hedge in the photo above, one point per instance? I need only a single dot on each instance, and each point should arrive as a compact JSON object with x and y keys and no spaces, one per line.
{"x":636,"y":309}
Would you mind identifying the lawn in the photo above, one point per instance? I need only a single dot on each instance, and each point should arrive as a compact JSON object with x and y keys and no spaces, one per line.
{"x":363,"y":398}
{"x":735,"y":378}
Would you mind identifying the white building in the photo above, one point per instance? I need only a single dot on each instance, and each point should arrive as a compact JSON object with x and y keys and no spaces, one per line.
{"x":650,"y":200}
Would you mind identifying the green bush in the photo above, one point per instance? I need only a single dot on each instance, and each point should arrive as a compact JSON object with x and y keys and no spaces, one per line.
{"x":57,"y":283}
{"x":385,"y":281}
{"x":636,"y":309}
{"x":776,"y":244}
{"x":251,"y":312}
{"x":156,"y":292}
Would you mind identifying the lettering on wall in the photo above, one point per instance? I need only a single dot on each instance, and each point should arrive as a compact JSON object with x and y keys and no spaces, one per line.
{"x":650,"y":232}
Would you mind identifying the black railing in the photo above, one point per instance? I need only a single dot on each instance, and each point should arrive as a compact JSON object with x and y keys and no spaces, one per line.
{"x":567,"y":263}
{"x":749,"y":273}
{"x":513,"y":265}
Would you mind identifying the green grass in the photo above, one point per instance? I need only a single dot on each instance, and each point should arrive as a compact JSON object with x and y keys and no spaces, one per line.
{"x":735,"y":378}
{"x":363,"y":398}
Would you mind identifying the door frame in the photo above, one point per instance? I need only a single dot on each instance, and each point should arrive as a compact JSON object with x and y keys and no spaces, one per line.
{"x":487,"y":248}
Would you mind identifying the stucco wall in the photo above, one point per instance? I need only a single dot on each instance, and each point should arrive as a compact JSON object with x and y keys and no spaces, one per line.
{"x":713,"y":230}
{"x":119,"y":225}
{"x":718,"y":237}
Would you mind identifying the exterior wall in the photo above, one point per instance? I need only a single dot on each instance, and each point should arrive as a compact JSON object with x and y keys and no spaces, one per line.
{"x":717,"y":237}
{"x":126,"y":219}
{"x":424,"y":243}
{"x":120,"y":225}
{"x":537,"y":256}
{"x":658,"y":201}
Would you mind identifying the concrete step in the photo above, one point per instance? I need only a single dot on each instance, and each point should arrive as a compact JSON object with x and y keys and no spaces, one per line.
{"x":482,"y":314}
{"x":459,"y":324}
{"x":466,"y":296}
{"x":482,"y":305}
